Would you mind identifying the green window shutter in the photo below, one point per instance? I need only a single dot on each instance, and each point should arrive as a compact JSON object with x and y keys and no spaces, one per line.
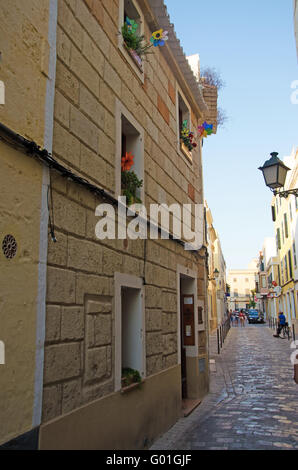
{"x":273,"y":213}
{"x":278,"y":239}
{"x":290,"y":264}
{"x":286,"y":269}
{"x":294,"y":254}
{"x":286,"y":226}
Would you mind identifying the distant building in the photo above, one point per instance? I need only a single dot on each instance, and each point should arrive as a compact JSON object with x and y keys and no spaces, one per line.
{"x":217,"y":305}
{"x":285,"y":217}
{"x":266,"y":276}
{"x":242,"y":282}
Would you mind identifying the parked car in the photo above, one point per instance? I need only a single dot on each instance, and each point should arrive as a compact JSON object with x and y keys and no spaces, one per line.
{"x":254,"y":316}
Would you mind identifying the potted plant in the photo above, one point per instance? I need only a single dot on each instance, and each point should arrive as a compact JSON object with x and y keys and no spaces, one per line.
{"x":134,"y":42}
{"x":130,"y":377}
{"x":187,"y":140}
{"x":130,"y":183}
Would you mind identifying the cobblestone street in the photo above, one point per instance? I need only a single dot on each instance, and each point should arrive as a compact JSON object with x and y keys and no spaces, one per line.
{"x":253,"y":400}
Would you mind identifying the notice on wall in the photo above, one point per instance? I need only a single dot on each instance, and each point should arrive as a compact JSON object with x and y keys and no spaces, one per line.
{"x":188,"y":330}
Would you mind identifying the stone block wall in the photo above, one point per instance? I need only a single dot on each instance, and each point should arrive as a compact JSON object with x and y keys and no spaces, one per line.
{"x":80,"y":333}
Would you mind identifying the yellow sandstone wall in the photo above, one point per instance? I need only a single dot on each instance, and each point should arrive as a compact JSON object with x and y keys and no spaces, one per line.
{"x":20,"y":217}
{"x":24,"y":48}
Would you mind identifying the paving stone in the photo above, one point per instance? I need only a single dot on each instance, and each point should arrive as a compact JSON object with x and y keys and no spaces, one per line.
{"x":252,"y":404}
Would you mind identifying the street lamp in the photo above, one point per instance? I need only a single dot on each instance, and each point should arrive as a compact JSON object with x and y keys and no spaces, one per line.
{"x":275,"y":173}
{"x":215,"y":274}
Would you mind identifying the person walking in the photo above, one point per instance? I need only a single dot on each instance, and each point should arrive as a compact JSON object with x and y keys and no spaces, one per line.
{"x":242,"y":319}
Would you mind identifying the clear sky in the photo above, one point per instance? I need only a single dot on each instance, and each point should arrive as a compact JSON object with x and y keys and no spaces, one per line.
{"x":251,"y":43}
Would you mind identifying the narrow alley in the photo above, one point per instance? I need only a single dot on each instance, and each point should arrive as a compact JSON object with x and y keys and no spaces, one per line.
{"x":252,"y":402}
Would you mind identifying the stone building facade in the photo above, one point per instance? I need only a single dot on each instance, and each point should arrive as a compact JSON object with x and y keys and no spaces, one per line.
{"x":114,"y":304}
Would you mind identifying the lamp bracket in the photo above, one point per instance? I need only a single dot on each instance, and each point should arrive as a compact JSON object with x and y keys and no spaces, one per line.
{"x":287,"y":193}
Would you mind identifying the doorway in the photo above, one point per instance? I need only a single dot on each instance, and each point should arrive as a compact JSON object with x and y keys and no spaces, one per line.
{"x":187,"y":331}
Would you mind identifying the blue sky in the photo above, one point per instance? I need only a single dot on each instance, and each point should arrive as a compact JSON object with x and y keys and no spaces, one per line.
{"x":252,"y":45}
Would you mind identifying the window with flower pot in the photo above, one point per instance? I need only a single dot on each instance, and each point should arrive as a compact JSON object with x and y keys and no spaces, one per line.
{"x":129,"y":157}
{"x":131,"y":34}
{"x":130,"y":350}
{"x":131,"y":339}
{"x":186,"y":138}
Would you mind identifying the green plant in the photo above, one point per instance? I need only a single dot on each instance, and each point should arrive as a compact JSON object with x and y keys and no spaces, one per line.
{"x":187,"y":137}
{"x":135,"y":41}
{"x":130,"y":376}
{"x":252,"y":303}
{"x":130,"y":184}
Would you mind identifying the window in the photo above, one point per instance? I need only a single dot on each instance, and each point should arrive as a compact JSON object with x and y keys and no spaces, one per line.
{"x":294,"y":255}
{"x":130,"y":9}
{"x":264,"y":282}
{"x":184,"y":121}
{"x":200,"y":316}
{"x":236,"y":293}
{"x":296,"y":202}
{"x":290,"y":264}
{"x":129,"y":139}
{"x":279,"y":277}
{"x":131,"y":338}
{"x":286,"y":226}
{"x":282,"y":271}
{"x":278,"y":242}
{"x":129,"y":327}
{"x":286,"y":269}
{"x":273,"y":213}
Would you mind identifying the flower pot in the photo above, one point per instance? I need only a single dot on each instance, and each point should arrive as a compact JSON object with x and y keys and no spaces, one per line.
{"x":185,"y":150}
{"x":136,"y":58}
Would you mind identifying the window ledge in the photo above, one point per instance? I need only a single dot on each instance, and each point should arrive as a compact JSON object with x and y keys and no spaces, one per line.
{"x":131,"y":387}
{"x":137,"y":59}
{"x":185,"y":151}
{"x":132,"y":60}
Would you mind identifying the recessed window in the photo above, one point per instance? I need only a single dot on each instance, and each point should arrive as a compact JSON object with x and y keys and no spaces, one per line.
{"x":294,"y":255}
{"x":200,"y":316}
{"x":290,"y":264}
{"x":131,"y":336}
{"x":129,"y":156}
{"x":130,"y":38}
{"x":286,"y":269}
{"x":286,"y":226}
{"x":185,"y":136}
{"x":131,"y":151}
